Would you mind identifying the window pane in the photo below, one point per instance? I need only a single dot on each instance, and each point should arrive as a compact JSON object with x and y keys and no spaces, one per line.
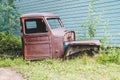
{"x":31,"y":24}
{"x":54,"y":23}
{"x":35,"y":26}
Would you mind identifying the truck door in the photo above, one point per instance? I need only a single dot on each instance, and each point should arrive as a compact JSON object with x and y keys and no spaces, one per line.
{"x":36,"y":41}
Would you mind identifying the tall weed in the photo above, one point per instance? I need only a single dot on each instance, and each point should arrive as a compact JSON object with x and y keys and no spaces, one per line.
{"x":111,"y":55}
{"x":93,"y":20}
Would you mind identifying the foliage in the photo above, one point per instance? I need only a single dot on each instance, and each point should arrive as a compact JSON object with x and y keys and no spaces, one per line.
{"x":106,"y":63}
{"x":8,"y":62}
{"x":9,"y":43}
{"x":8,"y":15}
{"x":92,"y":21}
{"x":105,"y":35}
{"x":83,"y":68}
{"x":111,"y":55}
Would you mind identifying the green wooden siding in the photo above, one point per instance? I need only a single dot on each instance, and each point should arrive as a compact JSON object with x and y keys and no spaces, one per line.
{"x":75,"y":12}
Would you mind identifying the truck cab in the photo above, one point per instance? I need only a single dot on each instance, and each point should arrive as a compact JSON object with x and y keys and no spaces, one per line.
{"x":44,"y":36}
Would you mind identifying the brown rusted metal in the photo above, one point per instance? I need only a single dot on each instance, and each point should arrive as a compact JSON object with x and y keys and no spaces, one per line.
{"x":42,"y":39}
{"x":40,"y":45}
{"x":85,"y":42}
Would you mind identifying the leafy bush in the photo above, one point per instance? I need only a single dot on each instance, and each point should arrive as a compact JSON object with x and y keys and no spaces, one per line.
{"x":9,"y":17}
{"x":9,"y":43}
{"x":111,"y":55}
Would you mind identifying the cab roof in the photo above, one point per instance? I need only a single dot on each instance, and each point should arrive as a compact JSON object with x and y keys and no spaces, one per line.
{"x":39,"y":15}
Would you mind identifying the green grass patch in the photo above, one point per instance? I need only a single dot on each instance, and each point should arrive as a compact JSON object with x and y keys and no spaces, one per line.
{"x":102,"y":66}
{"x":68,"y":70}
{"x":111,"y":55}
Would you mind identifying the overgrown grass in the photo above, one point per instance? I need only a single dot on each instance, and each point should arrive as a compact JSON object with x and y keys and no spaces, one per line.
{"x":102,"y":66}
{"x":69,"y":70}
{"x":111,"y":55}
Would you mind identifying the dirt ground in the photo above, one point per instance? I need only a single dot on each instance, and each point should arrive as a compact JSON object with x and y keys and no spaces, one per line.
{"x":9,"y":74}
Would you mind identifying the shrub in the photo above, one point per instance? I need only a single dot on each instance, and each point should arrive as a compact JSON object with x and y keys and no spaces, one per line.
{"x":9,"y":43}
{"x":111,"y":55}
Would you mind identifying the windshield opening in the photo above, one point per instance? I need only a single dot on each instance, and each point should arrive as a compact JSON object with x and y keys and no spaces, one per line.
{"x":54,"y":23}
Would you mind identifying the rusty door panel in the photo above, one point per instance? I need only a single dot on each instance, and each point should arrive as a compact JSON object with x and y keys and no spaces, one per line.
{"x":36,"y":39}
{"x":37,"y":47}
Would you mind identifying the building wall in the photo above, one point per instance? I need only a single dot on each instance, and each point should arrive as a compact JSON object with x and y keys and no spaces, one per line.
{"x":75,"y":12}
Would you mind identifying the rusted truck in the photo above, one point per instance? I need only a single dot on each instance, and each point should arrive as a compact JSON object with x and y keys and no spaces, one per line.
{"x":44,"y":36}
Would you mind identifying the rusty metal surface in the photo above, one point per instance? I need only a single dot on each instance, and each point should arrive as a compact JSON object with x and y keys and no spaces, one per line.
{"x":85,"y":42}
{"x":51,"y":42}
{"x":73,"y":50}
{"x":86,"y":46}
{"x":39,"y":14}
{"x":38,"y":46}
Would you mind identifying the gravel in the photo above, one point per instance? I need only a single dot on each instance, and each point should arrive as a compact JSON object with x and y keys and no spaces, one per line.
{"x":9,"y":74}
